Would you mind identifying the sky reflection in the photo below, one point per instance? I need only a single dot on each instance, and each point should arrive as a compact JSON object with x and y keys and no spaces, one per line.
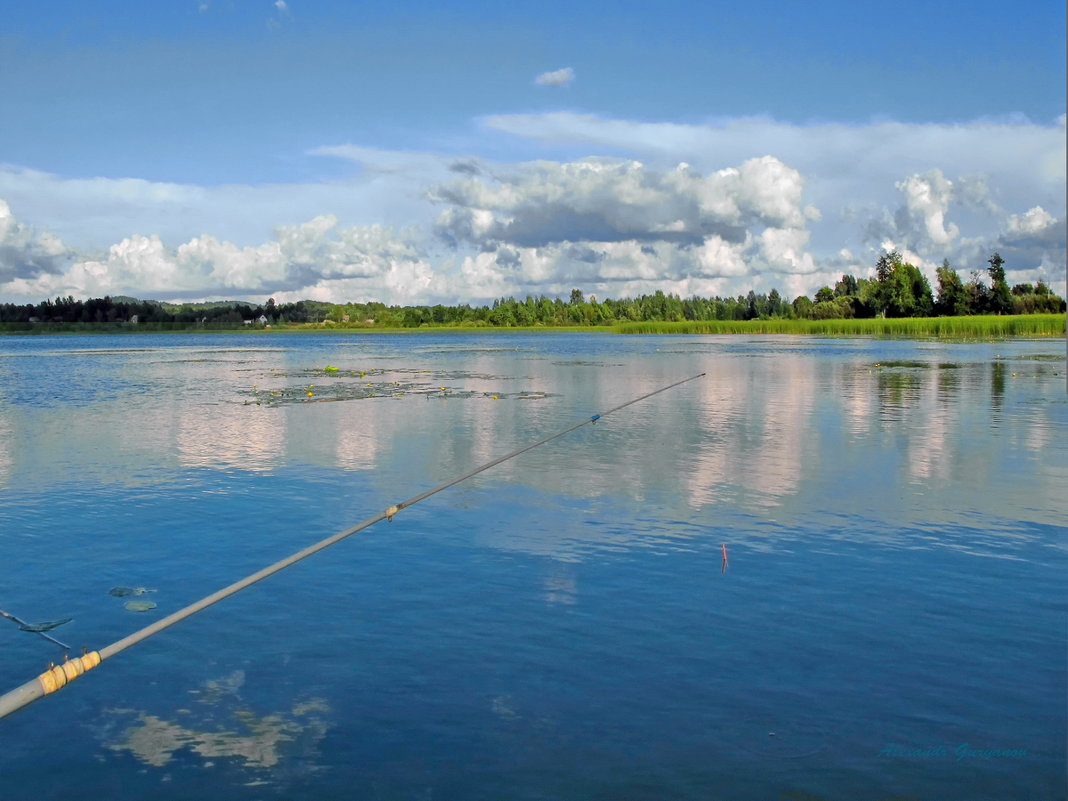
{"x":769,"y":418}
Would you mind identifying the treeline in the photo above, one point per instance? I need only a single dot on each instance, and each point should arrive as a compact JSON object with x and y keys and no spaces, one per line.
{"x":897,"y":290}
{"x":581,"y":311}
{"x":224,"y":314}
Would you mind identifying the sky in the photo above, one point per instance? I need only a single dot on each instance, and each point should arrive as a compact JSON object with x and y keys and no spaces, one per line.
{"x":417,"y":152}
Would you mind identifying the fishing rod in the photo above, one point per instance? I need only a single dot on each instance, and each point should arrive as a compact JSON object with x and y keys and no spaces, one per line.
{"x":58,"y":676}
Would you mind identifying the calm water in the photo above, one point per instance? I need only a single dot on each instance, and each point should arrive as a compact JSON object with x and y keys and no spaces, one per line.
{"x":559,"y":627}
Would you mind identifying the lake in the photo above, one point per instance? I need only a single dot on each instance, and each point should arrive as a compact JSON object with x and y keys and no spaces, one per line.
{"x":891,"y":621}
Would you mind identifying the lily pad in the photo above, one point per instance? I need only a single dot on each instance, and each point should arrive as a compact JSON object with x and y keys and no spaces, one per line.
{"x":902,"y":363}
{"x":140,"y":606}
{"x":47,"y":625}
{"x":122,"y":592}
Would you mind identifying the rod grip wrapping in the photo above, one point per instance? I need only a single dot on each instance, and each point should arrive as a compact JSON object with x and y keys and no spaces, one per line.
{"x":58,"y":676}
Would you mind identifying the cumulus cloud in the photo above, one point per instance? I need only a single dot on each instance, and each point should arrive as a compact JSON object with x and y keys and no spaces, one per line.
{"x":25,"y":253}
{"x":315,"y":259}
{"x":711,"y":209}
{"x":945,"y":189}
{"x":604,"y":222}
{"x":927,"y":199}
{"x":1033,"y":245}
{"x":603,"y":199}
{"x":94,"y":213}
{"x":1032,"y":242}
{"x":561,"y":77}
{"x":1032,"y":151}
{"x":1034,"y":221}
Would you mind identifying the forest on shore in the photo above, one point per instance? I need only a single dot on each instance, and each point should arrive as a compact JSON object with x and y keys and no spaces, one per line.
{"x":897,"y":290}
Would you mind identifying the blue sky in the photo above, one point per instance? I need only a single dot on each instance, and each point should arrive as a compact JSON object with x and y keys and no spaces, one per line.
{"x":407,"y":152}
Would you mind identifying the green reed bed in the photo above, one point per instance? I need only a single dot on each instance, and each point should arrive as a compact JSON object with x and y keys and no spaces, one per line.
{"x":978,"y":327}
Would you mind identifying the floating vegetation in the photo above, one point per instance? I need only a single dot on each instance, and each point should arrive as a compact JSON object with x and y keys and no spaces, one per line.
{"x":336,"y":383}
{"x":39,"y":628}
{"x":346,"y":372}
{"x":452,"y":351}
{"x":47,"y":625}
{"x":581,"y":363}
{"x":331,"y":370}
{"x":902,"y":363}
{"x":1043,"y":357}
{"x":347,"y":391}
{"x":122,"y":592}
{"x":140,"y":606}
{"x":920,"y":365}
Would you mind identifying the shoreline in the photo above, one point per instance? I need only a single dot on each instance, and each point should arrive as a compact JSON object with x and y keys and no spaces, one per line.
{"x":1037,"y":326}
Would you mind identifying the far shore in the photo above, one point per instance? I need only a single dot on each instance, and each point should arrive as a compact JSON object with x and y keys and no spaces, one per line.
{"x":983,"y":327}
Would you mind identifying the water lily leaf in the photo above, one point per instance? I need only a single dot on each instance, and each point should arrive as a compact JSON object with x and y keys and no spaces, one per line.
{"x":47,"y":625}
{"x":122,"y":592}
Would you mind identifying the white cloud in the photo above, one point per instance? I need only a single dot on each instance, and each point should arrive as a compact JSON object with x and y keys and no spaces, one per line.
{"x":93,"y":213}
{"x":25,"y":253}
{"x":783,"y":250}
{"x":715,"y":209}
{"x":613,"y":223}
{"x":562,"y":77}
{"x":850,"y":171}
{"x":316,"y":258}
{"x":927,"y":199}
{"x":1033,"y":246}
{"x":1031,"y":222}
{"x":601,"y":199}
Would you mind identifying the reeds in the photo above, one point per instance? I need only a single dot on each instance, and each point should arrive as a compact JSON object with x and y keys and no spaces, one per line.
{"x":977,"y":327}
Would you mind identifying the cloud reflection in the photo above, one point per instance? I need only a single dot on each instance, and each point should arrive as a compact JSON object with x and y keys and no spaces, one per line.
{"x":221,"y":726}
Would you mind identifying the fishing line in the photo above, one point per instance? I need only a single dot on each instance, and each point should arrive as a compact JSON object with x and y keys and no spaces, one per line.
{"x":58,"y":676}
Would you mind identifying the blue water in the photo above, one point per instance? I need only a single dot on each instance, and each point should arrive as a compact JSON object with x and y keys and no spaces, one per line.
{"x":561,"y":626}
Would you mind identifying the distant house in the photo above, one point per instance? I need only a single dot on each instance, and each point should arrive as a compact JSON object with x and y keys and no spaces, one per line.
{"x":133,"y":319}
{"x":262,"y":320}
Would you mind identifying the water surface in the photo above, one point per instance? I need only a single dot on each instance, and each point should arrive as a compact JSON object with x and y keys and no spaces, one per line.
{"x":891,"y":622}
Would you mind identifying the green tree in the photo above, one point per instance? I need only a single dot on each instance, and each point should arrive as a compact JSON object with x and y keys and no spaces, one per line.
{"x":908,"y":294}
{"x":846,"y":287}
{"x":1000,"y":295}
{"x":952,"y":296}
{"x":977,"y":293}
{"x":880,"y":293}
{"x":802,"y":306}
{"x":775,"y":304}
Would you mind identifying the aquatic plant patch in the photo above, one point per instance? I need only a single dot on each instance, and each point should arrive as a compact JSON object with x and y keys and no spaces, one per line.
{"x":318,"y":385}
{"x":964,"y":328}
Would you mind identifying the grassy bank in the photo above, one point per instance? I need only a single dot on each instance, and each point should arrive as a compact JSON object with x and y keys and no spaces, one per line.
{"x":978,"y":327}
